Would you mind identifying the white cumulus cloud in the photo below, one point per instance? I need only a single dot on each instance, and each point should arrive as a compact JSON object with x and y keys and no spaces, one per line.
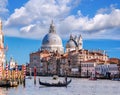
{"x":3,"y":9}
{"x":32,"y":20}
{"x":100,"y":26}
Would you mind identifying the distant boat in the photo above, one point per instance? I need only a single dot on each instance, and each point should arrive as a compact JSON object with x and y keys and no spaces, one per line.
{"x":116,"y":79}
{"x":58,"y":84}
{"x":92,"y":78}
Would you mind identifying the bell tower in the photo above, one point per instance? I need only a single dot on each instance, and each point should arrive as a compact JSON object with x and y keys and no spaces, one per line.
{"x":80,"y":42}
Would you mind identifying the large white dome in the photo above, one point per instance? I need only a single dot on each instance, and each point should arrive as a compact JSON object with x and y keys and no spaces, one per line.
{"x":52,"y":41}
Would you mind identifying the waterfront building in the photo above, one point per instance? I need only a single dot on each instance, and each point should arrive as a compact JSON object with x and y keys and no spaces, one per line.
{"x":2,"y":54}
{"x":111,"y":68}
{"x":76,"y":61}
{"x":45,"y":62}
{"x":38,"y":60}
{"x":105,"y":68}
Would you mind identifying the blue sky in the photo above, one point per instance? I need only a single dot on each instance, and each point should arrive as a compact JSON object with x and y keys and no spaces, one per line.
{"x":25,"y":23}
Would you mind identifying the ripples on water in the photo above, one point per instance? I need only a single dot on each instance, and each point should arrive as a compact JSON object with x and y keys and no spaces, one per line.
{"x":76,"y":87}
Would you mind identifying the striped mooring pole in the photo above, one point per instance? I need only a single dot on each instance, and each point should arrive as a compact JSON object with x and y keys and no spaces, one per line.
{"x":24,"y":71}
{"x":6,"y":71}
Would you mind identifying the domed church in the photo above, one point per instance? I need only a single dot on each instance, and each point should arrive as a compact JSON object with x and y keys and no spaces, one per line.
{"x":74,"y":43}
{"x":52,"y":42}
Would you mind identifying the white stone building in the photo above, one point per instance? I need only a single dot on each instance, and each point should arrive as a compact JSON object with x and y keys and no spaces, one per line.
{"x":12,"y":63}
{"x":105,"y":68}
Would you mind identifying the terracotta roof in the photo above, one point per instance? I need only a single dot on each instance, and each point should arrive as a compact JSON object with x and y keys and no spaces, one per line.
{"x":114,"y":60}
{"x":97,"y":53}
{"x":95,"y":60}
{"x":41,"y":52}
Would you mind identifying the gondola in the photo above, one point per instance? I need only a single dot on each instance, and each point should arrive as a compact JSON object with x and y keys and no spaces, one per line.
{"x":4,"y":84}
{"x":8,"y":83}
{"x":59,"y":84}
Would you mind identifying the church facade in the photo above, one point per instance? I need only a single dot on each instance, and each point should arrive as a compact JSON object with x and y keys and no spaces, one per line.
{"x":75,"y":61}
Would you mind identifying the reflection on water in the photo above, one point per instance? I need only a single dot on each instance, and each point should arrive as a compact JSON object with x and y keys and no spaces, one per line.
{"x":76,"y":87}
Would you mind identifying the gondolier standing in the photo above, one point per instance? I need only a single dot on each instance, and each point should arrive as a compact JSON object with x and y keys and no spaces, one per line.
{"x":66,"y":80}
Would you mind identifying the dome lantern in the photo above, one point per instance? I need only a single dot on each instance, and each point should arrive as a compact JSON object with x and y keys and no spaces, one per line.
{"x":52,"y":28}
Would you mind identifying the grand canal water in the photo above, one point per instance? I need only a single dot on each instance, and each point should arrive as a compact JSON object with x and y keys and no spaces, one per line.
{"x":77,"y":87}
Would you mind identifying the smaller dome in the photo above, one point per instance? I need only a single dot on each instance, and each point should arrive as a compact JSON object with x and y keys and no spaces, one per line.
{"x":71,"y":44}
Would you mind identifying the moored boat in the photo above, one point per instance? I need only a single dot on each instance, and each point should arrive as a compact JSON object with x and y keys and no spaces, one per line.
{"x":4,"y":83}
{"x":8,"y":83}
{"x":13,"y":83}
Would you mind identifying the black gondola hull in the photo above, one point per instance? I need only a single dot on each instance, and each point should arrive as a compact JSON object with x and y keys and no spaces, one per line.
{"x":59,"y":84}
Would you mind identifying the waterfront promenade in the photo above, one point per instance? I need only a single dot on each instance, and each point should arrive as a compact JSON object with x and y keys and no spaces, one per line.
{"x":78,"y":86}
